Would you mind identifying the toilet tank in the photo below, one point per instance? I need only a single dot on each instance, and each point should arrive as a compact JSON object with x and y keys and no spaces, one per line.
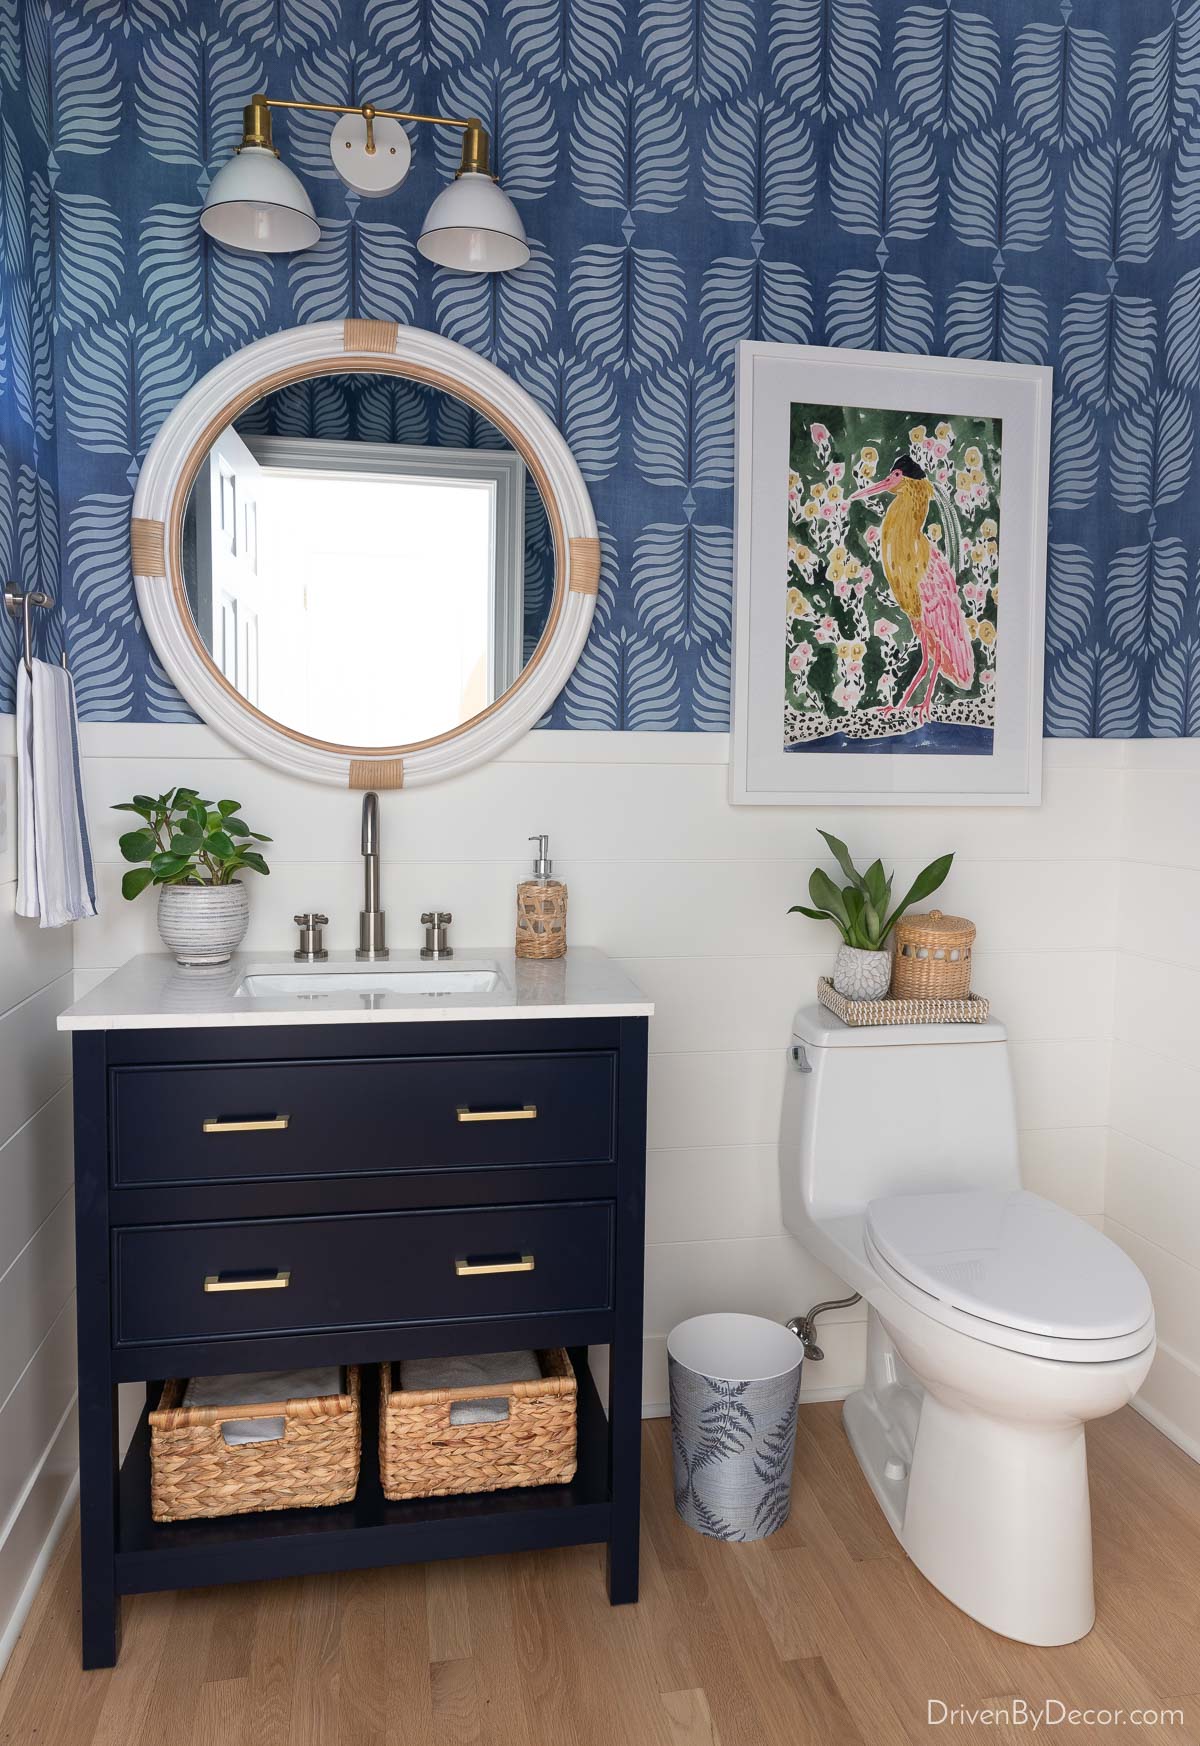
{"x":892,"y":1109}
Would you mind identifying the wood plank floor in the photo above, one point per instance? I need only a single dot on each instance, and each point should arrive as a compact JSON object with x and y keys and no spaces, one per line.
{"x":823,"y":1635}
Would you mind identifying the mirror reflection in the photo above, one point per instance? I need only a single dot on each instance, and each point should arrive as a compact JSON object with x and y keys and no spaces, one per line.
{"x":367,"y":559}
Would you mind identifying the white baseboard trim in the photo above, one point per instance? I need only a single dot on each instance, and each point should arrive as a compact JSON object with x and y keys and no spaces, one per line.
{"x":1162,"y":1421}
{"x":37,"y":1575}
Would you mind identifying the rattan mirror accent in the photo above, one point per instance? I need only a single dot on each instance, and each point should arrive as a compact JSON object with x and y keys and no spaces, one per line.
{"x":329,"y":348}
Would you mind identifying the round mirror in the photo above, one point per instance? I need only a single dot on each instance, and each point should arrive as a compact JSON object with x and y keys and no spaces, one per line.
{"x":367,"y":559}
{"x":364,"y":553}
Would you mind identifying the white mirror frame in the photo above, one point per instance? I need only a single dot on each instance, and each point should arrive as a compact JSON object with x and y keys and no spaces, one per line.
{"x":334,"y":348}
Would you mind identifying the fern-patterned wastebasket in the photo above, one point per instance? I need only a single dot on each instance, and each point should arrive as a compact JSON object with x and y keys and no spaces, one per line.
{"x":735,"y":1386}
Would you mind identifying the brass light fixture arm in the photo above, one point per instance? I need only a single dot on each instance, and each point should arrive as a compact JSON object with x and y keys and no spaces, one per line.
{"x":256,"y":125}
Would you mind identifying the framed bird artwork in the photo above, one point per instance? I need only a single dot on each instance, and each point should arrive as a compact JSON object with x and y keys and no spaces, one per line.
{"x":890,"y":589}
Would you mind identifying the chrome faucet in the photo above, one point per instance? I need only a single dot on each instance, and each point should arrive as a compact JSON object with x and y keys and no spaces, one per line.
{"x":371,"y":943}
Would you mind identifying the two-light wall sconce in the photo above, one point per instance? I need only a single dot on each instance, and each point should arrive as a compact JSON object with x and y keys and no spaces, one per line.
{"x":256,"y":204}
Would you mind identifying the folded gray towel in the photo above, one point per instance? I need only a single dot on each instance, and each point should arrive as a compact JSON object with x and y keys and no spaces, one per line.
{"x":420,"y":1374}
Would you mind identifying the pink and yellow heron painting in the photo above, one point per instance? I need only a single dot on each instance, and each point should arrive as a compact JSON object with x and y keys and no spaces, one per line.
{"x":892,"y":581}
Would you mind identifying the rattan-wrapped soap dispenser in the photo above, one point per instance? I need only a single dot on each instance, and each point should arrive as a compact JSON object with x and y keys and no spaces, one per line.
{"x":541,"y":909}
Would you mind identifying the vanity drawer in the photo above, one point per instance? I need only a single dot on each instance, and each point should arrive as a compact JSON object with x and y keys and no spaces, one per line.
{"x":321,"y":1118}
{"x":219,"y":1281}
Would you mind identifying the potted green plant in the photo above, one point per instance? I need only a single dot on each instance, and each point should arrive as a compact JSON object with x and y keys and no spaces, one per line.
{"x":193,"y":851}
{"x":859,"y":911}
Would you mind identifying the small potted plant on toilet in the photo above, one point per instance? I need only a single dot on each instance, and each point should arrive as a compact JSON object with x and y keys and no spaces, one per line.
{"x":862,"y":969}
{"x":193,"y":851}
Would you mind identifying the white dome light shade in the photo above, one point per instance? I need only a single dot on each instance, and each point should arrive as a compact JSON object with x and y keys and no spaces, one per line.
{"x":256,"y":204}
{"x":474,"y":227}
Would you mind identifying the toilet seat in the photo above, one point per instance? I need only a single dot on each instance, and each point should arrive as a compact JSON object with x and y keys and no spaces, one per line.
{"x":1013,"y":1270}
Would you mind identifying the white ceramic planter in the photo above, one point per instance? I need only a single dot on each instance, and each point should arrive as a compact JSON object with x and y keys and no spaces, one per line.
{"x":862,"y":975}
{"x":203,"y":924}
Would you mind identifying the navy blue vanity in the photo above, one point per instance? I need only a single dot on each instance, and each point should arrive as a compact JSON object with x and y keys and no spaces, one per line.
{"x":351,"y":1166}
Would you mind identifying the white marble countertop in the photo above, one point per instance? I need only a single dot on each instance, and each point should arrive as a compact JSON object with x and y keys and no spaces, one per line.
{"x":152,"y":992}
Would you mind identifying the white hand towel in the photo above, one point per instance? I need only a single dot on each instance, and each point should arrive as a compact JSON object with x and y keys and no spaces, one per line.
{"x":55,"y":881}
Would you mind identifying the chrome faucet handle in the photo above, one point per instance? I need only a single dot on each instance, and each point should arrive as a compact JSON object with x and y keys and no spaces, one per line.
{"x":436,"y":922}
{"x":311,"y":948}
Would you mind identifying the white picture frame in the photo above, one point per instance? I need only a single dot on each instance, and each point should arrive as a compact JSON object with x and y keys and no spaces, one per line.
{"x":821,"y":768}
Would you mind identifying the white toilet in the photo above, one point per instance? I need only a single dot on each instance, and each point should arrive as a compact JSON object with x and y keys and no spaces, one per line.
{"x":998,"y":1324}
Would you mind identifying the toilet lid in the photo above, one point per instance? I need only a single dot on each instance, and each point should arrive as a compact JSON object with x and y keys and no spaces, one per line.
{"x":1014,"y":1259}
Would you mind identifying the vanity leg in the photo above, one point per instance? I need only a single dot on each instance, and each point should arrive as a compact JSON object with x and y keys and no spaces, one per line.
{"x":625,"y":1353}
{"x":98,"y":1432}
{"x":98,"y":1520}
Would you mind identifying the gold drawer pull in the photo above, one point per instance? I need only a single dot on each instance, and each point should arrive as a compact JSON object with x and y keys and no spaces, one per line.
{"x":263,"y":1282}
{"x":527,"y":1113}
{"x":253,"y":1125}
{"x":464,"y":1266}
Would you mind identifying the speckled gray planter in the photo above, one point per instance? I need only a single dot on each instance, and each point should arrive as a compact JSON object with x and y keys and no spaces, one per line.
{"x":862,"y":975}
{"x":735,"y":1384}
{"x":203,"y":924}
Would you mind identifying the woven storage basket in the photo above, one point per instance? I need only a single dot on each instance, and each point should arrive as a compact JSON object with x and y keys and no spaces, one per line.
{"x":933,"y":957}
{"x":195,"y":1472}
{"x":421,"y":1454}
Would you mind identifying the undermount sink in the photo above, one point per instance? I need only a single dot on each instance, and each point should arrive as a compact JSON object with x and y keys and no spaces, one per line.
{"x":421,"y":981}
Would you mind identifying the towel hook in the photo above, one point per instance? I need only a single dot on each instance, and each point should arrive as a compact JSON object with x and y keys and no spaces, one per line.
{"x":20,"y":602}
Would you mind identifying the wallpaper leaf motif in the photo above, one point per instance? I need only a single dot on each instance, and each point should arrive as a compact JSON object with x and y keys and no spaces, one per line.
{"x":566,"y":41}
{"x":431,"y":33}
{"x":1174,"y":701}
{"x":209,"y":78}
{"x":826,"y":54}
{"x":628,"y":306}
{"x":98,"y":554}
{"x":1145,"y":594}
{"x":1114,"y":204}
{"x":879,"y":312}
{"x":1108,"y":347}
{"x":582,"y":400}
{"x":504,"y":316}
{"x":628,"y":149}
{"x":276,"y":24}
{"x":1064,"y":83}
{"x":1001,"y":192}
{"x":700,"y":49}
{"x":363,"y":267}
{"x":1017,"y":181}
{"x":884,"y":181}
{"x":518,"y":113}
{"x":1070,"y":595}
{"x":682,"y":579}
{"x":754,"y":299}
{"x":759,"y":165}
{"x":1164,"y":79}
{"x":81,"y":239}
{"x":997,"y":320}
{"x":1151,"y":459}
{"x":204,"y":293}
{"x":121,"y":382}
{"x":947,"y":66}
{"x":683,"y":429}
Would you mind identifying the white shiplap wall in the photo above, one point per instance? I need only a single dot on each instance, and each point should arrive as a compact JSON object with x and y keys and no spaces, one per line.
{"x":1152,"y":1200}
{"x":691,"y":895}
{"x":37,"y":1304}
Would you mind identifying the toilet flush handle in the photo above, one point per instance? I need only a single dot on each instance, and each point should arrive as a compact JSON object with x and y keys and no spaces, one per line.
{"x":800,"y":1060}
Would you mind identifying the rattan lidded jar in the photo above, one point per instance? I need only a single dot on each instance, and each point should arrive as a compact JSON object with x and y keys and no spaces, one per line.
{"x":932,"y":958}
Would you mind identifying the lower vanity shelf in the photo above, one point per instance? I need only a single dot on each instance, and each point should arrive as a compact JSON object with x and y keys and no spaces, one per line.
{"x":369,"y":1531}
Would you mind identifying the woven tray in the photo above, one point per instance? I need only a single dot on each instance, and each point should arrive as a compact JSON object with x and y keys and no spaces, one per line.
{"x":421,"y":1454}
{"x":972,"y":1010}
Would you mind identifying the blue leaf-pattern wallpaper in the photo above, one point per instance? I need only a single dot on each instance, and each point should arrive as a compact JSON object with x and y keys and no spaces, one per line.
{"x":1017,"y":181}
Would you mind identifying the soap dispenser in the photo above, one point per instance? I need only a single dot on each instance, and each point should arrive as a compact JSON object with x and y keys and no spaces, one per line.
{"x":541,"y":909}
